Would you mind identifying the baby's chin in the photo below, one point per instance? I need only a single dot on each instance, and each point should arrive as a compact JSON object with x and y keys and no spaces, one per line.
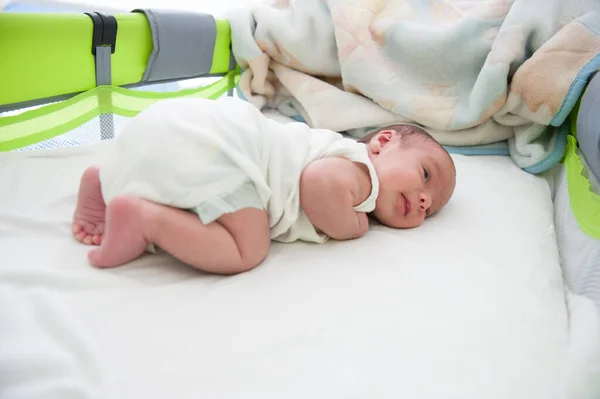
{"x":393,"y":224}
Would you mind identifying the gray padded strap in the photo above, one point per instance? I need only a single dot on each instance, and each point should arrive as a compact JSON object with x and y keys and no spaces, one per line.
{"x":103,"y":66}
{"x":184,"y":43}
{"x":588,"y":126}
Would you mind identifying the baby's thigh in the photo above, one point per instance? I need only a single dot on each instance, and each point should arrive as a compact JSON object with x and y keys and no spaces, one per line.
{"x":249,"y":227}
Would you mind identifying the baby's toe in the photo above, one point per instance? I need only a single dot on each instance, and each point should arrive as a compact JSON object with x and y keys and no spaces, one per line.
{"x":76,"y":228}
{"x":81,"y":235}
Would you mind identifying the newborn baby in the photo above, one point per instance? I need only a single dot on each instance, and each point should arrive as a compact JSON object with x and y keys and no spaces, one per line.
{"x":212,"y":182}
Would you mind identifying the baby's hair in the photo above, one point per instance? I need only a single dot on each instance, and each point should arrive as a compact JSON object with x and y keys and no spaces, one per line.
{"x":407,"y":132}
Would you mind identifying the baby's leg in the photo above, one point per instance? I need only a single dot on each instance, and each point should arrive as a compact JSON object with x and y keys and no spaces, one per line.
{"x":235,"y":243}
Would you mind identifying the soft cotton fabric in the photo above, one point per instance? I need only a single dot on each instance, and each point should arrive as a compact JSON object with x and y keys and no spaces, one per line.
{"x":195,"y":153}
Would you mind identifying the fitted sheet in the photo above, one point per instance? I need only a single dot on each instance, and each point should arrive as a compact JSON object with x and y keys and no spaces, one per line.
{"x":470,"y":305}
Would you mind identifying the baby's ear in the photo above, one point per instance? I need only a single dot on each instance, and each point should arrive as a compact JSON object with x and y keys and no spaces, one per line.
{"x":381,"y":139}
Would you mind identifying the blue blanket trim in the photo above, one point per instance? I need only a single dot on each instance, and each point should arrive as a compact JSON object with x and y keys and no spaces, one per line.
{"x":557,"y":154}
{"x":576,"y":90}
{"x":500,"y":148}
{"x":591,"y":22}
{"x":561,"y":118}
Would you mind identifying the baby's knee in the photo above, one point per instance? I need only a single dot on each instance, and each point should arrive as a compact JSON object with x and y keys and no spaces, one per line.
{"x":253,"y":254}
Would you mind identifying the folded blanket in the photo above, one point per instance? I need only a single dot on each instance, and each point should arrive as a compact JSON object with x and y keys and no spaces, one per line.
{"x":472,"y":73}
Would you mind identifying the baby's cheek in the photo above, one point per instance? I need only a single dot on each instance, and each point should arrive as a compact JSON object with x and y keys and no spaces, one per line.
{"x":381,"y":205}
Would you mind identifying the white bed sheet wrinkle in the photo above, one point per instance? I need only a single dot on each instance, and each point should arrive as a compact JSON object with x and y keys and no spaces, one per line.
{"x":471,"y":305}
{"x":44,"y":353}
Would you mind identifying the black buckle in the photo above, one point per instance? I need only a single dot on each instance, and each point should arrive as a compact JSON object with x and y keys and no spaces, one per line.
{"x":105,"y":31}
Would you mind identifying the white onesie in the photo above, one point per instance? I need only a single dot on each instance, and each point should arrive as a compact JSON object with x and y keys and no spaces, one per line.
{"x":218,"y":156}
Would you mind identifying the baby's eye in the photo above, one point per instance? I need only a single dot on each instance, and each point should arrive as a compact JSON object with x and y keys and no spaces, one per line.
{"x":425,"y":174}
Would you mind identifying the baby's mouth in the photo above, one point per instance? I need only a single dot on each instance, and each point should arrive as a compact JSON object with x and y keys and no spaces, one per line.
{"x":403,"y":205}
{"x":407,"y":206}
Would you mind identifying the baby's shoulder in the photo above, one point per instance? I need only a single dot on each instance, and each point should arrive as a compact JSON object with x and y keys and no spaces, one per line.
{"x":334,"y":170}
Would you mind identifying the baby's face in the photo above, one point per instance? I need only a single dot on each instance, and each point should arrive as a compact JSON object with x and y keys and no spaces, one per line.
{"x":416,"y":179}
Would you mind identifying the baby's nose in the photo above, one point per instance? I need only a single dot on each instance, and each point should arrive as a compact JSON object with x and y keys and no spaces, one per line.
{"x":424,"y":202}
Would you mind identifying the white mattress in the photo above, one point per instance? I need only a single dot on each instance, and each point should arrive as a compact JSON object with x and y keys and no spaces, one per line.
{"x":470,"y":305}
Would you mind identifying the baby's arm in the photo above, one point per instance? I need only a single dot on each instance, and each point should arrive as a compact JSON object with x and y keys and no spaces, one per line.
{"x":329,"y":189}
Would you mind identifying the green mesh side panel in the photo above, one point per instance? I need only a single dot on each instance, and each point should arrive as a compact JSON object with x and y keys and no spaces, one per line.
{"x":52,"y":120}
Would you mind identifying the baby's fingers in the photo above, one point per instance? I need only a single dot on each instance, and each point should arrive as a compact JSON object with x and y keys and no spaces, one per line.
{"x":363,"y":222}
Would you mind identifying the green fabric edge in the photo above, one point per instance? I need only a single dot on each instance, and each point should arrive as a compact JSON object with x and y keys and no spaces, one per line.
{"x":103,"y":93}
{"x":585,"y":204}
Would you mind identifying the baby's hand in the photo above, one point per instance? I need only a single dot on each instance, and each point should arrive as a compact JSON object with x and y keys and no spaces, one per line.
{"x":363,"y":222}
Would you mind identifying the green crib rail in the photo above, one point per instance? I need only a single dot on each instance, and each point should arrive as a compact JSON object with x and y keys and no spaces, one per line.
{"x":48,"y":55}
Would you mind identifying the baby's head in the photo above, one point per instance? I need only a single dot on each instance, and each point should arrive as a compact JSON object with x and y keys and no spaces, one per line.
{"x":416,"y":175}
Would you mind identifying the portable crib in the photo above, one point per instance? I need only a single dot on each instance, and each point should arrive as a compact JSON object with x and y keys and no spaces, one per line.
{"x":340,"y":320}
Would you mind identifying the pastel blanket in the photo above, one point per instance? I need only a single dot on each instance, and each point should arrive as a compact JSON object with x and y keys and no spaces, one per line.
{"x":473,"y":73}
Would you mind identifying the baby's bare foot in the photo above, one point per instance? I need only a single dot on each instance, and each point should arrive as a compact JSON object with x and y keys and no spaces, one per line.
{"x":88,"y":220}
{"x":124,"y":239}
